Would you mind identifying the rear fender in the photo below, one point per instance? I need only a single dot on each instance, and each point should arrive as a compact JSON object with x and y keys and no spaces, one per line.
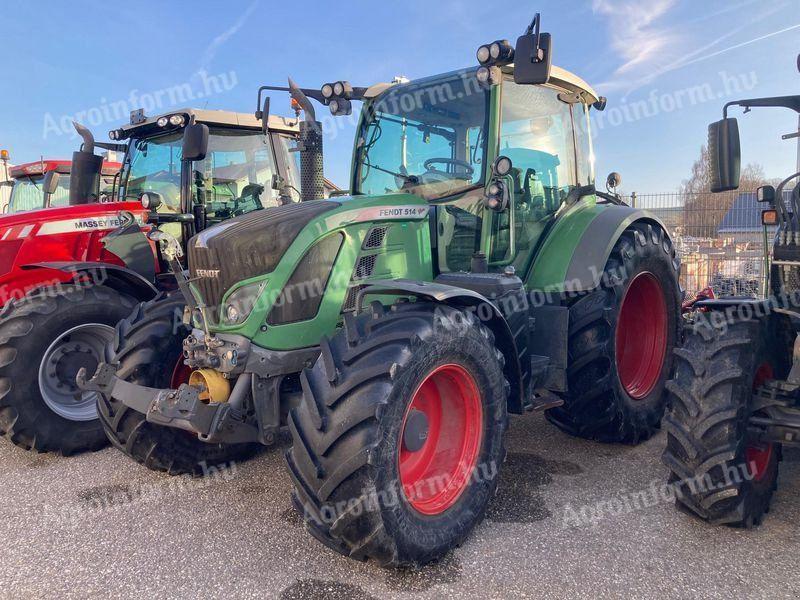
{"x":467,"y":300}
{"x":574,"y":255}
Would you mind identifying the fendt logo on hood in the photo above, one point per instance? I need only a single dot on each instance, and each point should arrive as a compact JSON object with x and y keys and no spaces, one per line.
{"x":208,"y":273}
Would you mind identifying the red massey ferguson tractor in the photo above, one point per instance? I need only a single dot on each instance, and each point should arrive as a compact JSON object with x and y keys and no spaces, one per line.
{"x":69,"y":274}
{"x":735,"y":396}
{"x":45,"y":184}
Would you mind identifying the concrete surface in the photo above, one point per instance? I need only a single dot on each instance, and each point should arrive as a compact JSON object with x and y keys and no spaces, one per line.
{"x":99,"y":525}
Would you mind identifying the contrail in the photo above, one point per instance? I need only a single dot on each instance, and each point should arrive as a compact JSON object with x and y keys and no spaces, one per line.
{"x":734,"y":47}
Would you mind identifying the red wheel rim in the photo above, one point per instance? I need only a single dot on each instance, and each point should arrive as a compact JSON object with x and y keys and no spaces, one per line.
{"x":435,"y":475}
{"x":180,"y":374}
{"x":758,"y":456}
{"x":641,"y":336}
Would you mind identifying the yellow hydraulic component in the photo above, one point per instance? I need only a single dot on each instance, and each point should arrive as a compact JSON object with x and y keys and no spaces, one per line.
{"x":213,"y":386}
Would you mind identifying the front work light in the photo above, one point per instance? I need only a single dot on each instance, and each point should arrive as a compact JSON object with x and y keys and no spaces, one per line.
{"x":488,"y":75}
{"x":340,"y":107}
{"x":501,"y":52}
{"x":162,"y":121}
{"x":176,"y":120}
{"x":483,"y":54}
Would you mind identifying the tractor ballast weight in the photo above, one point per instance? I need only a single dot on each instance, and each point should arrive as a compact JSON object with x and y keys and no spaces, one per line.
{"x":473,"y":271}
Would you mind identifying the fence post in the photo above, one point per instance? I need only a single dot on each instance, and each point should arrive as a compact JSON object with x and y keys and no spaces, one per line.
{"x":633,"y":199}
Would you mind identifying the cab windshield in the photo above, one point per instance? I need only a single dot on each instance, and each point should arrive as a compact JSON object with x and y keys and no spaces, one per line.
{"x":27,"y":193}
{"x":427,"y":138}
{"x":235,"y":177}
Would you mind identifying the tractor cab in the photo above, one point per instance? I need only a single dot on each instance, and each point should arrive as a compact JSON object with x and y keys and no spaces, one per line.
{"x":45,"y":184}
{"x":194,"y":168}
{"x":496,"y":160}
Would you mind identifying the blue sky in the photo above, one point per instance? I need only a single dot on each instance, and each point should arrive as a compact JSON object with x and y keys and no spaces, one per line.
{"x":667,"y":66}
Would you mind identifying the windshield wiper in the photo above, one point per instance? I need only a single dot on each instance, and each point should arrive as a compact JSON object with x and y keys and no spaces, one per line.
{"x":412,"y":179}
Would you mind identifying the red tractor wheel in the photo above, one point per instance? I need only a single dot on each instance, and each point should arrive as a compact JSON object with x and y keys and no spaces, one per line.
{"x":399,"y":436}
{"x":621,"y":338}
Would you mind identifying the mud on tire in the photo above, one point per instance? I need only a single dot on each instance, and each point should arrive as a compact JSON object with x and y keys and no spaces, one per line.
{"x":27,"y":329}
{"x":710,"y":398}
{"x":598,"y":405}
{"x":148,"y":346}
{"x":346,"y":432}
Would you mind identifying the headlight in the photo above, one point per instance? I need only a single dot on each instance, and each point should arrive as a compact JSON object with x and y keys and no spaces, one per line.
{"x":162,"y":121}
{"x":483,"y":55}
{"x":327,"y":90}
{"x":338,"y":88}
{"x":176,"y":120}
{"x":240,"y":303}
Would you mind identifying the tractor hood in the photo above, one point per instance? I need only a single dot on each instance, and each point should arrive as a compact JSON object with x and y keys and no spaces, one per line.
{"x":254,"y":244}
{"x":66,"y":234}
{"x":246,"y":246}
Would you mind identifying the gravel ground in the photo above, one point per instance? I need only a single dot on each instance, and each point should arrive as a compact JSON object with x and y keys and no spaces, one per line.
{"x":99,"y":525}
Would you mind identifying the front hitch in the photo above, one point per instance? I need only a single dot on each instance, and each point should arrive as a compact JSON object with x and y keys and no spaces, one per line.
{"x":179,"y":409}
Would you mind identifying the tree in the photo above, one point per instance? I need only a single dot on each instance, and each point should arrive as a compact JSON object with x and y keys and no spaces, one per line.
{"x":704,"y":211}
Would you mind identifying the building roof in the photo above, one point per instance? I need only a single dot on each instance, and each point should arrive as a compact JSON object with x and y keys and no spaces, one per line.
{"x":744,"y":215}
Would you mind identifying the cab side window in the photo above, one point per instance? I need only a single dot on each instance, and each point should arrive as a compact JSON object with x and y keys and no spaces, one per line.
{"x":537,"y":134}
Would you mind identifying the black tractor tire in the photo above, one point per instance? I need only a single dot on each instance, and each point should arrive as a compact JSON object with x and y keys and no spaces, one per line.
{"x":346,"y":432}
{"x":597,"y":404}
{"x":148,"y":345}
{"x":28,"y":327}
{"x":710,"y":404}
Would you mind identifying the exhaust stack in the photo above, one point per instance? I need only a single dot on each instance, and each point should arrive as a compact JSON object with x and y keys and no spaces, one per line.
{"x":312,"y":181}
{"x":84,"y":182}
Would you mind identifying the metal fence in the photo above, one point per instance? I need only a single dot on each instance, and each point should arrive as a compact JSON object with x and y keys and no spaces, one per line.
{"x":719,"y":238}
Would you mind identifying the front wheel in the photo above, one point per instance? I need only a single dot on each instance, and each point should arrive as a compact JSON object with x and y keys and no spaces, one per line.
{"x":149,"y":350}
{"x":45,"y":339}
{"x":399,"y":437}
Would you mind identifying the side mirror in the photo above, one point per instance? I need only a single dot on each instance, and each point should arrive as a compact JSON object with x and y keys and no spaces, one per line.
{"x":195,"y":141}
{"x":265,"y":116}
{"x":766,"y":193}
{"x":50,"y":183}
{"x":613,"y":181}
{"x":724,"y":154}
{"x":533,"y":55}
{"x":151,"y":200}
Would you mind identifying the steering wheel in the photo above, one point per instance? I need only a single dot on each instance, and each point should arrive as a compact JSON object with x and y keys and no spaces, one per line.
{"x":469,"y":170}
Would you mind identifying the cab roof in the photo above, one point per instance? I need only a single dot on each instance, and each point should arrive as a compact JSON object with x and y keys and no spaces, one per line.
{"x":221,"y":118}
{"x":40,"y":167}
{"x":558,"y":77}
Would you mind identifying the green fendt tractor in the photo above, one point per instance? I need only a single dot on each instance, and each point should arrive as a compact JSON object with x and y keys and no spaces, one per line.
{"x":735,"y":399}
{"x":474,"y":271}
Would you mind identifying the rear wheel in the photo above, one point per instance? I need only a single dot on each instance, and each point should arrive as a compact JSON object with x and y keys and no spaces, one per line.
{"x":45,"y":339}
{"x":621,"y":338}
{"x":723,"y":474}
{"x":149,"y":349}
{"x":399,"y":436}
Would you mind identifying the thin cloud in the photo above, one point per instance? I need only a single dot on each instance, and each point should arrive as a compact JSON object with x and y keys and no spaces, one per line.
{"x":634,"y":33}
{"x":211,"y":50}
